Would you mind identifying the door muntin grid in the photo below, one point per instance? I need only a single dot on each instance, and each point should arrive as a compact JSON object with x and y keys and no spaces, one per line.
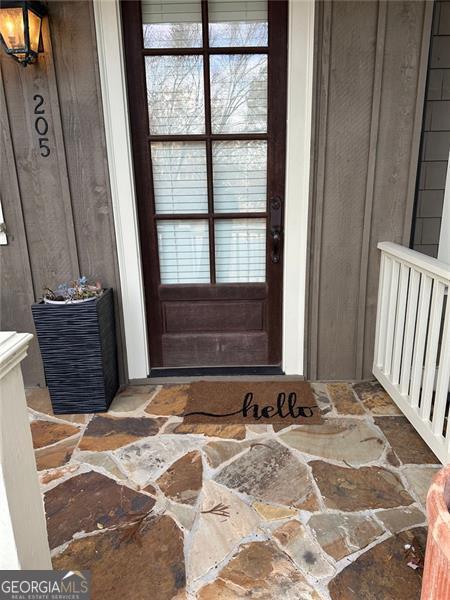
{"x":208,"y":142}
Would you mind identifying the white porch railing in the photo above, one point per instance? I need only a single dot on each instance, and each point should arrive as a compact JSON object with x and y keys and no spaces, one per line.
{"x":23,"y":535}
{"x":412,"y":341}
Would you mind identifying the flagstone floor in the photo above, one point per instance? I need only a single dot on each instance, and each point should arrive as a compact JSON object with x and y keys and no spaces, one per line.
{"x":157,"y":509}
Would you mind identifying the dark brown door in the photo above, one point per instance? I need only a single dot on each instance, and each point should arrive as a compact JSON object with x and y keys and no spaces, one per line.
{"x":207,"y":101}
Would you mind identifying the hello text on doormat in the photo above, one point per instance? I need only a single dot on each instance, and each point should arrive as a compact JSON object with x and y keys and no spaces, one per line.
{"x":248,"y":402}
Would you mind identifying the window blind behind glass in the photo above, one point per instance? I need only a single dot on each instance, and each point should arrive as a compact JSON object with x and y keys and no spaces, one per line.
{"x":179,"y":177}
{"x":240,"y":176}
{"x":237,"y":23}
{"x":172,"y":23}
{"x":183,"y":251}
{"x":240,"y":250}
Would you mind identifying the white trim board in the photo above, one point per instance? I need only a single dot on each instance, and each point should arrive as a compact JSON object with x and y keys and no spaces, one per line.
{"x":300,"y":94}
{"x":115,"y":108}
{"x":115,"y":111}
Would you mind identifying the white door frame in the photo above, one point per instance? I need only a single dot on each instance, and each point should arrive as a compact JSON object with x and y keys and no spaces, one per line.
{"x":118,"y":142}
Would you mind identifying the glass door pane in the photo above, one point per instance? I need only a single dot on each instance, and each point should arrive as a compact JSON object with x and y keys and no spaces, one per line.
{"x":237,"y":23}
{"x":175,"y":94}
{"x":240,"y":176}
{"x":172,"y":23}
{"x":240,"y":250}
{"x":238,"y":93}
{"x":179,"y":177}
{"x":183,"y":251}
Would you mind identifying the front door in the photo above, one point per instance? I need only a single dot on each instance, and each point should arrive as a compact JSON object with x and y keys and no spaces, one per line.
{"x":207,"y":100}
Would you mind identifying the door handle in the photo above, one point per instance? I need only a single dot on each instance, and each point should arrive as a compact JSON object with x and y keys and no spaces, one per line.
{"x":276,"y":230}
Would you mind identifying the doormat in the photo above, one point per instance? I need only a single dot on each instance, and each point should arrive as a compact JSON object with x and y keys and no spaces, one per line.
{"x":251,"y":402}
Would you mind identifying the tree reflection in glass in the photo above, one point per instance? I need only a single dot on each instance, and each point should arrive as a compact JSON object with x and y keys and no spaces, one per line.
{"x":238,"y":93}
{"x":175,"y":94}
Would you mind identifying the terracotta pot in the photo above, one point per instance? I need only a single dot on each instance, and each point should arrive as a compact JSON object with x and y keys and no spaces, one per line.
{"x":436,"y":575}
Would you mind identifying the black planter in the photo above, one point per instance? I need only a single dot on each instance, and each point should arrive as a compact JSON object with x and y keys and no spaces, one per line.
{"x":78,"y":348}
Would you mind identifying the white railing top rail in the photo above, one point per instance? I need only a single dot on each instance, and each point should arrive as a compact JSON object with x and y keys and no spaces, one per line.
{"x":428,"y":264}
{"x":13,"y":349}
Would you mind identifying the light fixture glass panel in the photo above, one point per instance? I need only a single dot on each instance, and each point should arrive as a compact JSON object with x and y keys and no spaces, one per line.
{"x":240,"y":250}
{"x":34,"y":23}
{"x":238,"y":93}
{"x":12,"y":28}
{"x":237,"y":23}
{"x":183,"y":251}
{"x":179,"y":177}
{"x":240,"y":176}
{"x":175,"y":94}
{"x":172,"y":23}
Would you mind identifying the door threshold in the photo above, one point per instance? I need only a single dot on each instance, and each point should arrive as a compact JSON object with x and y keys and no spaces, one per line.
{"x":214,"y":371}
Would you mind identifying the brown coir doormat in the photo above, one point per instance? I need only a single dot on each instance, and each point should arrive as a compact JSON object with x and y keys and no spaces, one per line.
{"x":251,"y":402}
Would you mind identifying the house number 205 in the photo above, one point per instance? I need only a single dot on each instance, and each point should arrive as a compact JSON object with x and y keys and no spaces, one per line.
{"x":41,"y":125}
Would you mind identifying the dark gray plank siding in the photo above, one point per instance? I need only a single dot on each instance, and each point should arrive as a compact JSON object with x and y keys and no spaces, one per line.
{"x":67,"y":226}
{"x":370,"y":82}
{"x":436,"y":137}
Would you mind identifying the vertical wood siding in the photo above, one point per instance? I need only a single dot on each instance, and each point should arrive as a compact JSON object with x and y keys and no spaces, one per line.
{"x":371,"y":64}
{"x":57,"y":209}
{"x":371,"y":60}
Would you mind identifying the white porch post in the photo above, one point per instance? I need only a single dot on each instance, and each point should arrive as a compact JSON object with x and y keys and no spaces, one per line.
{"x":23,"y":534}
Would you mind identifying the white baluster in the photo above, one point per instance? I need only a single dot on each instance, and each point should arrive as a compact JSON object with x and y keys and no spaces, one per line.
{"x":411,"y":314}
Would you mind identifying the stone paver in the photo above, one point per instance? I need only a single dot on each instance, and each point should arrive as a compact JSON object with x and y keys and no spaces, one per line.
{"x":147,"y":459}
{"x":182,"y":481}
{"x":109,"y":433}
{"x":184,"y":514}
{"x":219,"y":452}
{"x":343,"y":534}
{"x":132,"y":398}
{"x":322,"y":398}
{"x":382,"y":572}
{"x":212,"y":430}
{"x":89,"y":502}
{"x":159,"y":508}
{"x":269,"y":512}
{"x":296,"y":541}
{"x":47,"y":477}
{"x":347,"y":440}
{"x":55,"y":456}
{"x":45,"y":433}
{"x":358,"y":489}
{"x":419,"y":480}
{"x":344,"y":399}
{"x":396,"y":519}
{"x":218,"y":532}
{"x":405,"y":441}
{"x":268,"y":472}
{"x":129,"y":563}
{"x":102,"y":460}
{"x":375,"y":399}
{"x":170,"y":400}
{"x":261,"y":571}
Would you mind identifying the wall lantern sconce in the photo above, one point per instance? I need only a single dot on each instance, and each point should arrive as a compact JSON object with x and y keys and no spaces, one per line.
{"x":20,"y":29}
